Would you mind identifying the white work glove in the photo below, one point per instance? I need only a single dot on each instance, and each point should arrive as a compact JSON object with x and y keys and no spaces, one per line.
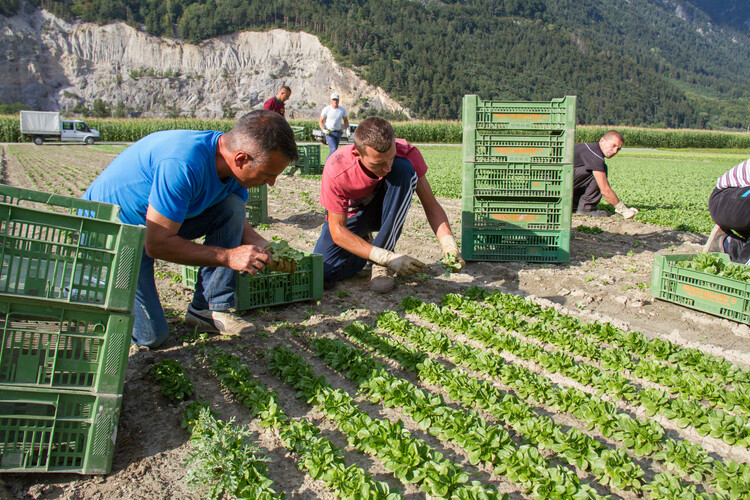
{"x":347,"y":133}
{"x":327,"y":131}
{"x":627,"y":213}
{"x":449,"y":246}
{"x":401,"y":264}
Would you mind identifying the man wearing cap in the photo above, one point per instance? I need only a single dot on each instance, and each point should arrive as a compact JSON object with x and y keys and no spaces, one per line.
{"x":278,"y":102}
{"x":330,"y":123}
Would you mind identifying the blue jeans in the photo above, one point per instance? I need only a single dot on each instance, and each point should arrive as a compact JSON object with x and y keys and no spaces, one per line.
{"x":385,"y":214}
{"x":222,"y":225}
{"x":333,"y":139}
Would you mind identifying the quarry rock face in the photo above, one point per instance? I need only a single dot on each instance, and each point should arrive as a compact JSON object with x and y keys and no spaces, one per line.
{"x":52,"y":65}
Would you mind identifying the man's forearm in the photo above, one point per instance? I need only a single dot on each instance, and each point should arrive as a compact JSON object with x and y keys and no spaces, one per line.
{"x":610,"y":196}
{"x":251,"y":237}
{"x":181,"y":251}
{"x":350,"y":242}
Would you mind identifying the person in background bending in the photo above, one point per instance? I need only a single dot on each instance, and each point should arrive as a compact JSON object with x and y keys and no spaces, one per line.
{"x":590,"y":182}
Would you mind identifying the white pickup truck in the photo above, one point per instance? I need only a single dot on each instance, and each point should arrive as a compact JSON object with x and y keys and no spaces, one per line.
{"x":46,"y":125}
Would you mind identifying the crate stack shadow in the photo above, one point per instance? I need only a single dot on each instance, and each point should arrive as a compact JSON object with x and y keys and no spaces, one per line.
{"x":517,"y":179}
{"x":67,"y":287}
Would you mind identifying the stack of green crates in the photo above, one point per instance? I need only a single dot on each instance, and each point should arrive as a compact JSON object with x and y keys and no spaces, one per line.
{"x":67,"y":286}
{"x":517,"y":179}
{"x":309,"y":161}
{"x":257,"y":205}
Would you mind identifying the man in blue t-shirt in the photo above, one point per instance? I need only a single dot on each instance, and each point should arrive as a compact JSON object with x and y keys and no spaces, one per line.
{"x":184,"y":184}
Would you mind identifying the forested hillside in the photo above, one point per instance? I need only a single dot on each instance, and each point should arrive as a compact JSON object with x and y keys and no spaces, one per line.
{"x":631,"y":62}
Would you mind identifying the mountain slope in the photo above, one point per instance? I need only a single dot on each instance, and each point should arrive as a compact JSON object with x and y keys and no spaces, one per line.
{"x":634,"y":62}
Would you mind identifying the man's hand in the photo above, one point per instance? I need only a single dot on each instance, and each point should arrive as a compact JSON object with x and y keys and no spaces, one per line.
{"x":627,"y":213}
{"x":248,"y":258}
{"x":401,"y":264}
{"x":327,"y":131}
{"x":347,"y":133}
{"x":449,"y":246}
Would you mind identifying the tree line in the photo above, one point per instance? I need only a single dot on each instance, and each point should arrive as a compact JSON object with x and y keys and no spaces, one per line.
{"x":630,"y":63}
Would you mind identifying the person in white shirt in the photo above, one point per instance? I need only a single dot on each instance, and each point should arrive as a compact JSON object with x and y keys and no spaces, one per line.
{"x":333,"y":122}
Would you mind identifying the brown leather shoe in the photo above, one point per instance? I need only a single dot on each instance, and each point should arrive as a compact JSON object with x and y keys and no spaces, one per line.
{"x":381,"y":280}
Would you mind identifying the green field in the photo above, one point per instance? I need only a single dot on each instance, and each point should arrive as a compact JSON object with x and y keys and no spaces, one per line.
{"x":669,"y":187}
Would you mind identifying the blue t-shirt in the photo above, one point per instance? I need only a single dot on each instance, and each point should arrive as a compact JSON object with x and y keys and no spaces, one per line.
{"x":174,"y":171}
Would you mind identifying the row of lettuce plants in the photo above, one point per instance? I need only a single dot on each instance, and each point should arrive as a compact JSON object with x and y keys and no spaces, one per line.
{"x":610,"y":379}
{"x":317,"y":454}
{"x":643,"y":436}
{"x":686,"y":371}
{"x":224,"y":458}
{"x":483,"y":442}
{"x":410,"y":459}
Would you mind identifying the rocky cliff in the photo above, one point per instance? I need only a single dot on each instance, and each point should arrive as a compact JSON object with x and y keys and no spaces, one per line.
{"x":50,"y":64}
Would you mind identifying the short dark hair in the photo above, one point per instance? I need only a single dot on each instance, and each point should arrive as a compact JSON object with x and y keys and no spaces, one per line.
{"x":265,"y":129}
{"x":609,"y":134}
{"x":287,"y":88}
{"x":375,"y":132}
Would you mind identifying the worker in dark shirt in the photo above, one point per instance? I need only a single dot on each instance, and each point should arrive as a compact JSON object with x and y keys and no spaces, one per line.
{"x":590,"y":182}
{"x":277,"y":102}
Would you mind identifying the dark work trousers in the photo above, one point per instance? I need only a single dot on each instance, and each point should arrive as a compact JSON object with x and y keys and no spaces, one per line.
{"x":586,"y":194}
{"x":730,"y":210}
{"x":385,"y":213}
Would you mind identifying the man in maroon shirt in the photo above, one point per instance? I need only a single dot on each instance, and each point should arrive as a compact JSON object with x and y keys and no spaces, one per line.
{"x":276,"y":103}
{"x":368,"y":187}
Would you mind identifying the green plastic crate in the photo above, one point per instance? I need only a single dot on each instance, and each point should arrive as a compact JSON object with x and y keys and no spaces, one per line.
{"x":494,"y":147}
{"x":557,"y":114}
{"x":299,"y":132}
{"x":717,"y":295}
{"x":309,"y":161}
{"x":257,"y":205}
{"x":483,"y":213}
{"x":515,"y":245}
{"x":55,"y":202}
{"x":57,"y":431}
{"x":68,"y":258}
{"x":63,"y":347}
{"x":518,"y":180}
{"x":273,"y":288}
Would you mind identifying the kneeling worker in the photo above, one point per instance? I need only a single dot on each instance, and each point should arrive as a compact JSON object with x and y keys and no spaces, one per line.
{"x":590,"y":177}
{"x":366,"y":187}
{"x":729,"y":205}
{"x":183,"y":184}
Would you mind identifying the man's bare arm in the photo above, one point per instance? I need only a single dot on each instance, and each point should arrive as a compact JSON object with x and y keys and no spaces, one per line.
{"x":162,"y":242}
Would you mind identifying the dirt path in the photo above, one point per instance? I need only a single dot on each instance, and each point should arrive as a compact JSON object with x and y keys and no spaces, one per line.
{"x":607,"y":278}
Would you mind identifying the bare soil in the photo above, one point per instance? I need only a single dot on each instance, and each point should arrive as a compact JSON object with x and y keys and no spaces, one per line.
{"x":607,"y":278}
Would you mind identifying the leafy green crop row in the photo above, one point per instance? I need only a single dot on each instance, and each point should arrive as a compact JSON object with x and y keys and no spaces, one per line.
{"x":409,"y":458}
{"x":321,"y":458}
{"x":638,"y":434}
{"x":499,"y":404}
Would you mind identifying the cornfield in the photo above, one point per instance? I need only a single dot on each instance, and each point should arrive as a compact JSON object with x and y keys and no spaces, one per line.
{"x":445,"y":132}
